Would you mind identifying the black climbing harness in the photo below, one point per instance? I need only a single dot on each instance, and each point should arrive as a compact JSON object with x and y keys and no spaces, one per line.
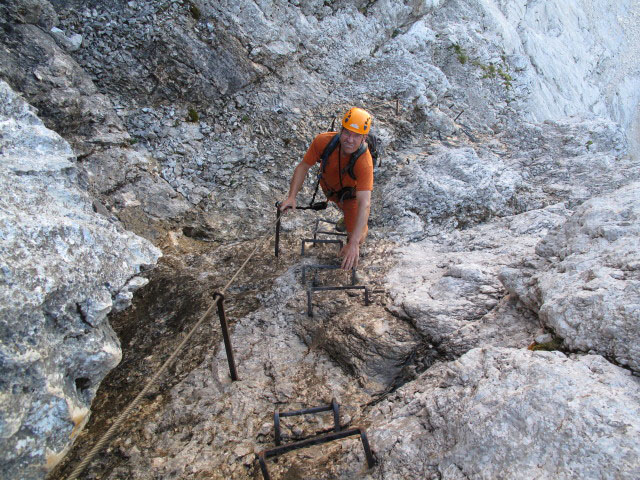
{"x":345,"y":193}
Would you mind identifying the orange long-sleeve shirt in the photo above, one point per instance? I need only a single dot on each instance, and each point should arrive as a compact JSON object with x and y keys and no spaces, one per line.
{"x":363,"y":169}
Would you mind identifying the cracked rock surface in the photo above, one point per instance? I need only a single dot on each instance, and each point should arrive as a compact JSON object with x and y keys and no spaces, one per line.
{"x":583,"y":278}
{"x":501,"y":342}
{"x":496,"y":412}
{"x":63,"y":268}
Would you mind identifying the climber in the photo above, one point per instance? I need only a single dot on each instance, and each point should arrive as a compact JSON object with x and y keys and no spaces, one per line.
{"x":346,"y":178}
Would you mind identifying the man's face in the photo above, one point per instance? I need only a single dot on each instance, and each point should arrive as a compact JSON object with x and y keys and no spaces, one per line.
{"x":350,"y":141}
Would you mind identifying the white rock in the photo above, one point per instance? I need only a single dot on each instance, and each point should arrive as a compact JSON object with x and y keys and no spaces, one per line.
{"x":584,"y":280}
{"x":504,"y":413}
{"x":61,"y":265}
{"x":69,"y":43}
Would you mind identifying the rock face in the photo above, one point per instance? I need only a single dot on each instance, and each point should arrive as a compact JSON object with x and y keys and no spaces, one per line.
{"x":63,"y":269}
{"x":448,"y":287}
{"x":504,"y":413}
{"x":450,"y":186}
{"x":273,"y":81}
{"x":585,"y":279}
{"x":502,"y":122}
{"x":210,"y":419}
{"x":123,"y":177}
{"x":428,"y":188}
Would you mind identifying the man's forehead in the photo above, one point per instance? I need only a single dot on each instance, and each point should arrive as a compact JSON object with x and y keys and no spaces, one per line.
{"x":343,"y":129}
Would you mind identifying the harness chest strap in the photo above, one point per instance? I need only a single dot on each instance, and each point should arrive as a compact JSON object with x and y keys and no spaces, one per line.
{"x":331,"y":146}
{"x":345,"y":193}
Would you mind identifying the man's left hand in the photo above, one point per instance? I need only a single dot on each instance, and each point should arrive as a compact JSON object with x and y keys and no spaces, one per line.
{"x":350,"y":253}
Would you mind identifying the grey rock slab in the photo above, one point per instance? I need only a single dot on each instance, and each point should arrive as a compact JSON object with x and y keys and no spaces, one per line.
{"x":128,"y":177}
{"x":449,"y":287}
{"x":584,"y":281}
{"x":428,"y":187}
{"x":61,"y":266}
{"x":64,"y":93}
{"x":374,"y":346}
{"x":36,"y":12}
{"x":70,"y":43}
{"x":507,"y":413}
{"x":455,"y":187}
{"x":571,"y":159}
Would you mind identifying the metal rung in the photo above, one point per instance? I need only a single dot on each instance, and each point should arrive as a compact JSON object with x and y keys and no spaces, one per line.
{"x":316,"y":230}
{"x":277,"y":240}
{"x":219,"y":298}
{"x":319,"y":440}
{"x":339,"y":234}
{"x":333,"y":406}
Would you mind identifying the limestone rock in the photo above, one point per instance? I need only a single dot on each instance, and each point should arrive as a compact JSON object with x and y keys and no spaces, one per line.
{"x":449,"y":186}
{"x":129,"y":183}
{"x":61,"y":266}
{"x":571,"y":159}
{"x":484,"y":72}
{"x":36,"y":12}
{"x":505,"y":413}
{"x":156,"y":51}
{"x":448,"y":286}
{"x":70,"y":43}
{"x":435,"y":186}
{"x":64,"y":94}
{"x":584,"y":280}
{"x":69,"y":103}
{"x":375,"y":347}
{"x":500,"y":118}
{"x":211,"y":420}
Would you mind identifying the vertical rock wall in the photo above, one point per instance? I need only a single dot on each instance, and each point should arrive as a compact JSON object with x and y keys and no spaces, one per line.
{"x":63,"y":268}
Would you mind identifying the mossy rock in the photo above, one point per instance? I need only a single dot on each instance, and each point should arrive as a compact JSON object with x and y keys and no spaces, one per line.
{"x":555,"y":344}
{"x":193,"y":116}
{"x":195,"y":12}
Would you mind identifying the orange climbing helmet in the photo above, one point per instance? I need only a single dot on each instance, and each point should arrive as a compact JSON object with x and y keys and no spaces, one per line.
{"x":357,"y":120}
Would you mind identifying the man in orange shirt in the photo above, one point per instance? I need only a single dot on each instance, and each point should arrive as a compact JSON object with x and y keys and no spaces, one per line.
{"x":350,"y":190}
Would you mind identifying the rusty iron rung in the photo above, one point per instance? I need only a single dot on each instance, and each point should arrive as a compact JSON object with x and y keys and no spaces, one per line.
{"x":316,"y":230}
{"x":278,"y":219}
{"x":309,"y":442}
{"x":346,"y":287}
{"x":310,"y":291}
{"x":325,"y":408}
{"x":316,"y":267}
{"x":324,"y":267}
{"x":338,"y":234}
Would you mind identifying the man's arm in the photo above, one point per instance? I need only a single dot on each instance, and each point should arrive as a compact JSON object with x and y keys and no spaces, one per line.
{"x":297,"y":180}
{"x":351,"y":251}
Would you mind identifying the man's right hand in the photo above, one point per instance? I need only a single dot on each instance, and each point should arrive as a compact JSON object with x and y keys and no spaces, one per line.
{"x":289,"y":203}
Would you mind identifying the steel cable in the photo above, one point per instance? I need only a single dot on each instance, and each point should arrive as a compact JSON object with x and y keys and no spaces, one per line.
{"x":112,"y":429}
{"x":106,"y":437}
